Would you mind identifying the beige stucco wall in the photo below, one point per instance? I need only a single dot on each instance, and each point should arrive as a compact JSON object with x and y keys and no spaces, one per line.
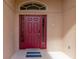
{"x":8,"y":26}
{"x":69,"y":32}
{"x":54,"y":23}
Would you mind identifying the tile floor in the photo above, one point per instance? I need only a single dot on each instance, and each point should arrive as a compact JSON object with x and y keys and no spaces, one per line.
{"x":21,"y":54}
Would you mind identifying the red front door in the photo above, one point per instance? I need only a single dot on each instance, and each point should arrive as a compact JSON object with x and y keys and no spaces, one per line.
{"x":32,"y":31}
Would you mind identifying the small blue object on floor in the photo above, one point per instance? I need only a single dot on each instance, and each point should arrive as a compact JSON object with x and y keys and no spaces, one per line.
{"x":33,"y":54}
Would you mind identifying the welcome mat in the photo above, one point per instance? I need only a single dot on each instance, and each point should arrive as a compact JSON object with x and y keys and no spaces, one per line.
{"x":33,"y":54}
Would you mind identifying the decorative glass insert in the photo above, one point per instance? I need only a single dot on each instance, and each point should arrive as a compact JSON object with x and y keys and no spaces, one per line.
{"x":33,"y":6}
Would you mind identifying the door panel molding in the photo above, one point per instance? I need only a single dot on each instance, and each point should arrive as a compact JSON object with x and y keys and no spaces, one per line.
{"x":32,"y":31}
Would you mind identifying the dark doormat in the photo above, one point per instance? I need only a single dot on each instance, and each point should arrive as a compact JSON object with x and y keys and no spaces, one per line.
{"x":33,"y":54}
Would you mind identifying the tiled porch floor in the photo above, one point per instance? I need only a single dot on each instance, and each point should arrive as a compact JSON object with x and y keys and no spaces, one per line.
{"x":21,"y":54}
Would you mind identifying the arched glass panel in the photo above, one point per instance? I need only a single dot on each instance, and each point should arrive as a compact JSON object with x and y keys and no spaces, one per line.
{"x":33,"y":6}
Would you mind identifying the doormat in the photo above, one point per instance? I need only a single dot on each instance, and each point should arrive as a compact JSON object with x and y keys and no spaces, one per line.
{"x":33,"y":54}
